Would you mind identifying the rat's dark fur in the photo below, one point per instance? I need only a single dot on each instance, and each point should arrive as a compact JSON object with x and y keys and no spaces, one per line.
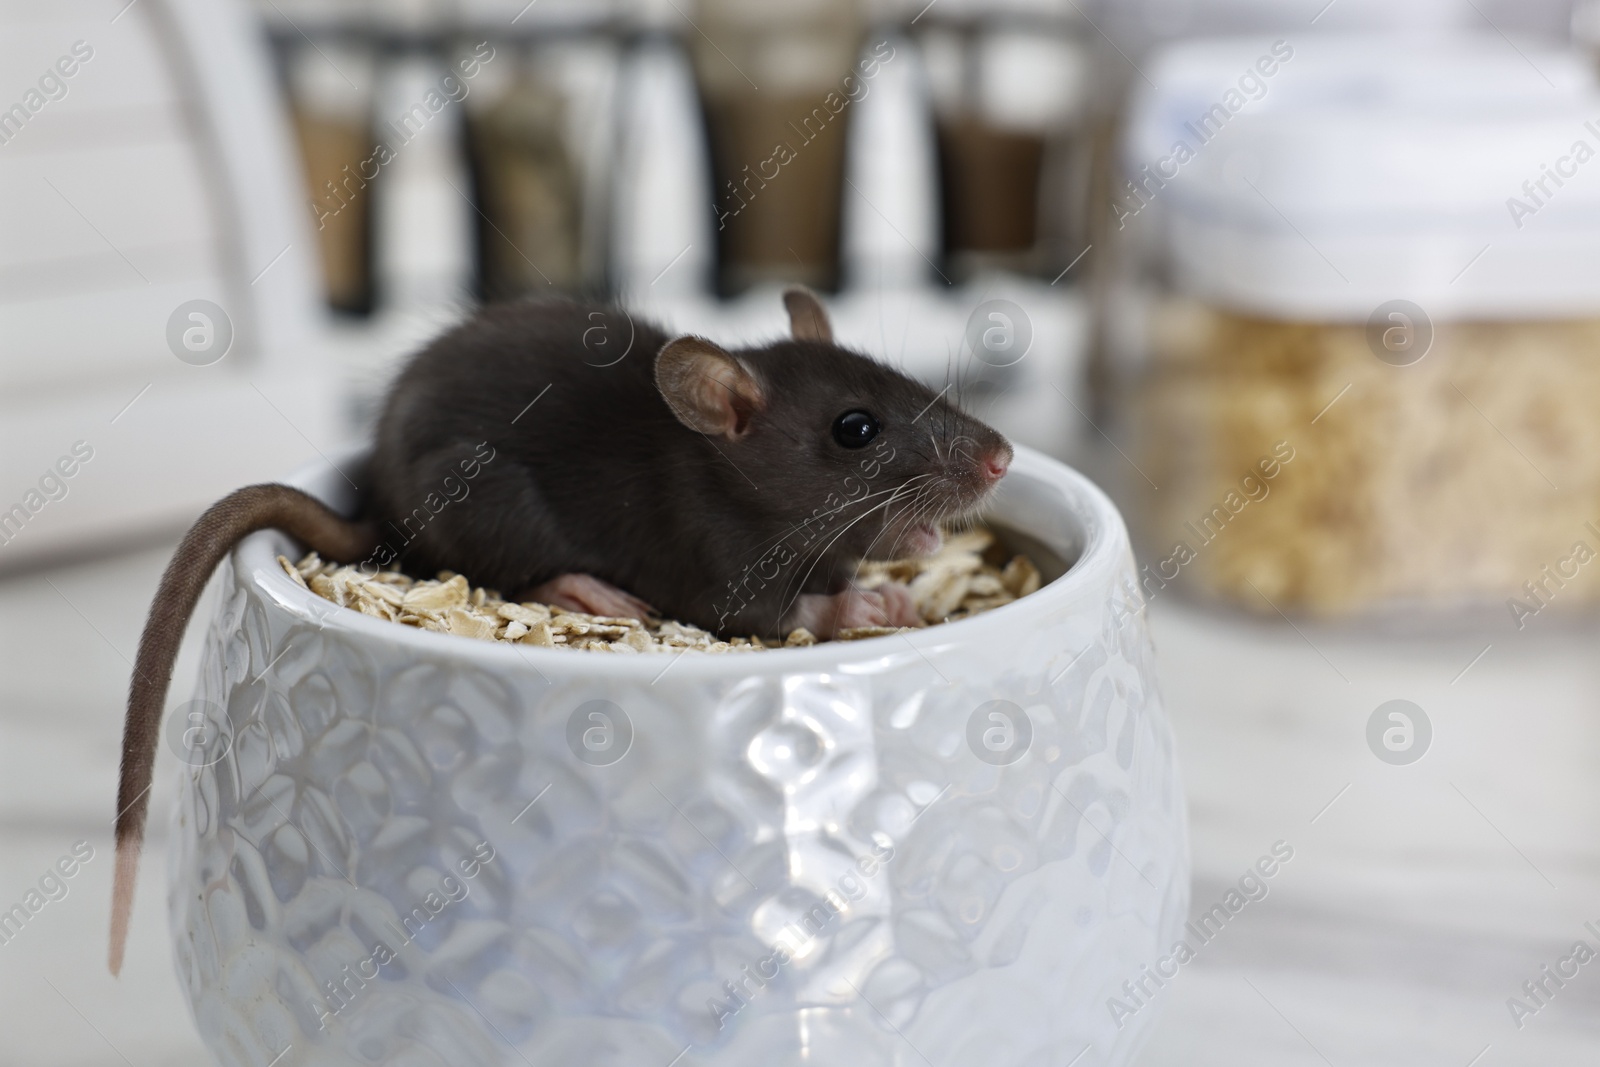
{"x":600,"y":477}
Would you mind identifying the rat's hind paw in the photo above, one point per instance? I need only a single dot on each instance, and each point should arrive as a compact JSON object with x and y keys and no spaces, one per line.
{"x":586,"y":593}
{"x":890,"y":604}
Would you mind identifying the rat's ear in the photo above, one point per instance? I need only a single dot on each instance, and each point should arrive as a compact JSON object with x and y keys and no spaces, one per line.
{"x":808,"y":319}
{"x":708,"y":390}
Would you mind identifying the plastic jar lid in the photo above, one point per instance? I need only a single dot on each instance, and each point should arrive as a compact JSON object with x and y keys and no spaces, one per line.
{"x":1452,"y":72}
{"x":1463,"y":175}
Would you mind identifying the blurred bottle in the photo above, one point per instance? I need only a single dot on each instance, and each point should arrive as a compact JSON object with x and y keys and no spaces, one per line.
{"x":772,"y":84}
{"x":1010,"y":88}
{"x":529,"y":189}
{"x":330,"y":97}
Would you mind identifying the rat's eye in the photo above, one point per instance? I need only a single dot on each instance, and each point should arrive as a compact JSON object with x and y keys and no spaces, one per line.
{"x":855,"y":429}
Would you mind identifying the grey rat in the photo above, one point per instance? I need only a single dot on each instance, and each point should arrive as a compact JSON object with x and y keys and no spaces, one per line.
{"x":574,"y":455}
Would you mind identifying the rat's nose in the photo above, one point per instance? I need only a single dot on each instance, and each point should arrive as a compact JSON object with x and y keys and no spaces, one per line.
{"x":996,"y":463}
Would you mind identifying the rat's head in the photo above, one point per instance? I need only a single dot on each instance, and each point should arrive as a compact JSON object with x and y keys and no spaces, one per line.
{"x":864,"y":461}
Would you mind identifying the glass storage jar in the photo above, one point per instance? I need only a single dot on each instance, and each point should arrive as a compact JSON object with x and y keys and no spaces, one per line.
{"x":1357,"y":369}
{"x":1138,"y":51}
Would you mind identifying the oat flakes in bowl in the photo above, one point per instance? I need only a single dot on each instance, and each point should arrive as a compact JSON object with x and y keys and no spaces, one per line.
{"x":963,"y":578}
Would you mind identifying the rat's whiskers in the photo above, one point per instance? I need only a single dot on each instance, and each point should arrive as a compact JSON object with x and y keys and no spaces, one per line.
{"x":822,"y":550}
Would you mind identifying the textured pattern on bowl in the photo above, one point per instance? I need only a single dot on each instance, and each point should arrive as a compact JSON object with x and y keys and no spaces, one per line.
{"x":411,"y":848}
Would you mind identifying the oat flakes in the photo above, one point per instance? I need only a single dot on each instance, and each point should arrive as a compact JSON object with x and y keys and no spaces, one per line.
{"x":957,"y":581}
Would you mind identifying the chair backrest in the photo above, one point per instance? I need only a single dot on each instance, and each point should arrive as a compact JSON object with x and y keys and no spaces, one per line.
{"x":145,"y":164}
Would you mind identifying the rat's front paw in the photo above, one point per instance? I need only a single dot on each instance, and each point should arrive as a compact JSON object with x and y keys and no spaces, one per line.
{"x":898,"y":606}
{"x":888,"y":605}
{"x":590,"y":595}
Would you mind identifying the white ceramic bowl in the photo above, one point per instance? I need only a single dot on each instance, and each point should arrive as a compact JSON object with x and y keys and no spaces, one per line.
{"x":416,"y":849}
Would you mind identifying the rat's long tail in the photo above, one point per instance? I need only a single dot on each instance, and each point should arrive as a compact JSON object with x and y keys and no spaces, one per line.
{"x":225,"y":523}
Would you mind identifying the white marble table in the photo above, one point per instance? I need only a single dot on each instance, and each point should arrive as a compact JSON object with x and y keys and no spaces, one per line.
{"x":1420,"y":897}
{"x":1418,"y":900}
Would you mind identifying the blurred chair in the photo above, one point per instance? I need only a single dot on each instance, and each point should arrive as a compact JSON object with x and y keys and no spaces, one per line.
{"x":162,"y":175}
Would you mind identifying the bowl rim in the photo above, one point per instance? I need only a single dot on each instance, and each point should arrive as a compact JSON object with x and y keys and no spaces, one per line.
{"x":1104,"y":544}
